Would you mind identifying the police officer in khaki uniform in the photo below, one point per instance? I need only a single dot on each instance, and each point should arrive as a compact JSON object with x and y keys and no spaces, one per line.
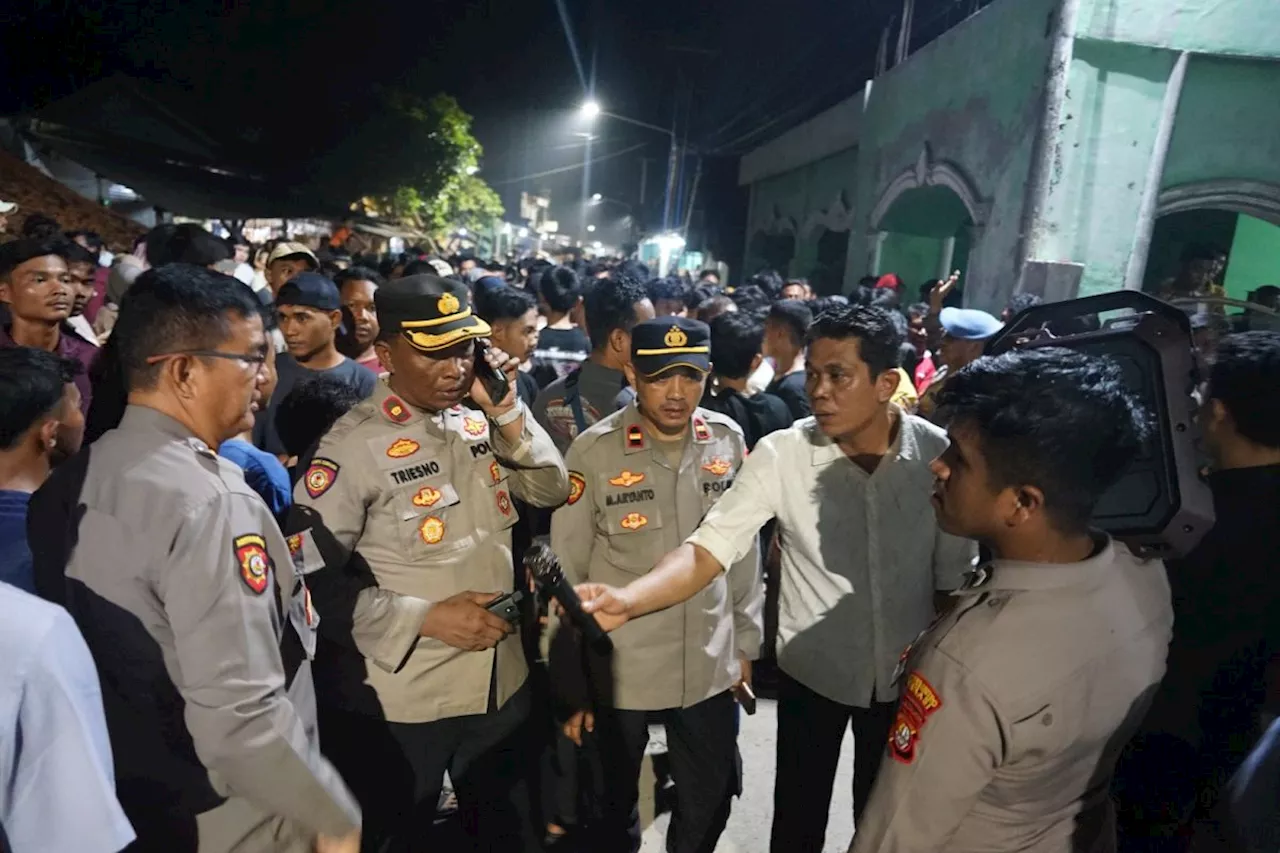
{"x":407,"y":505}
{"x":183,"y":587}
{"x":642,"y":479}
{"x":1015,"y":705}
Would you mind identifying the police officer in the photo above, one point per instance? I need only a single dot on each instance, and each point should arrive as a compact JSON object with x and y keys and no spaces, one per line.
{"x":183,"y":587}
{"x":641,"y":480}
{"x":407,"y":506}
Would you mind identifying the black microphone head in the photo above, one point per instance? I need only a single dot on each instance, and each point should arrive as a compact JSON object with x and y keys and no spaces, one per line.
{"x":542,"y":562}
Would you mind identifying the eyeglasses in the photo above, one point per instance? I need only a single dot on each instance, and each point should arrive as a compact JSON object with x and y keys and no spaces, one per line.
{"x":254,"y":362}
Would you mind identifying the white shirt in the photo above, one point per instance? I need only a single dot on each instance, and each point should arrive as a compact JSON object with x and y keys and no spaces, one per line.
{"x":861,"y":553}
{"x":762,"y":378}
{"x":57,"y":784}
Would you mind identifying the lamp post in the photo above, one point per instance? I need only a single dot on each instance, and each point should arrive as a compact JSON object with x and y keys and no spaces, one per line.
{"x":591,"y":110}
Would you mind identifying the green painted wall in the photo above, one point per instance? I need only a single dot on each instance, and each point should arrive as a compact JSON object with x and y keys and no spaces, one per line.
{"x":913,"y":258}
{"x":1239,"y":27}
{"x":1255,"y":257}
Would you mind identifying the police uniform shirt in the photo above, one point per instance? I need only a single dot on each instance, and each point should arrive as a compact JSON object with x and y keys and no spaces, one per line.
{"x":182,"y":584}
{"x":630,"y":504}
{"x":1015,"y":706}
{"x":425,"y":501}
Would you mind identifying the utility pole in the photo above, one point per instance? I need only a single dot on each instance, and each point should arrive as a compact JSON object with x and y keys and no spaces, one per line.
{"x":644,"y":178}
{"x":693,"y":195}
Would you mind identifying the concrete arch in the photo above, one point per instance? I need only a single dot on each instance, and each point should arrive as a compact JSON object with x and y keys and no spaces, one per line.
{"x":928,"y":173}
{"x":1255,"y":198}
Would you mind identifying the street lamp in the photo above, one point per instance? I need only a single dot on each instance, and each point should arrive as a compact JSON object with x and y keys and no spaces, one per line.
{"x":596,"y":197}
{"x":590,"y":109}
{"x":591,"y":228}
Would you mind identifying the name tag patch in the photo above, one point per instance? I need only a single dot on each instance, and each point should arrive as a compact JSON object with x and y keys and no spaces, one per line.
{"x":919,"y":702}
{"x":412,"y":473}
{"x":637,"y":496}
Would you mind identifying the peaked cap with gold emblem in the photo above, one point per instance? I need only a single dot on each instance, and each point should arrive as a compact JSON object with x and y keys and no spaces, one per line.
{"x":666,"y":342}
{"x":432,"y":313}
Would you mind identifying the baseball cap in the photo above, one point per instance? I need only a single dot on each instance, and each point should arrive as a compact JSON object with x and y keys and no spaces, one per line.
{"x":440,"y":266}
{"x":665,"y":342}
{"x":968,"y":324}
{"x":291,"y":250}
{"x":7,"y":206}
{"x":312,"y":290}
{"x":432,"y":313}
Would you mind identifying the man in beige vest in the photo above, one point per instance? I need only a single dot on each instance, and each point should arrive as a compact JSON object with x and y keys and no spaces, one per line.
{"x":403,"y":522}
{"x":642,"y":479}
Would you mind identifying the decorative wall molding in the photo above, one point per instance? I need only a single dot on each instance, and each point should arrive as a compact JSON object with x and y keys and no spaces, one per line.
{"x":776,"y":223}
{"x":928,"y":173}
{"x":1255,"y":198}
{"x":838,"y":216}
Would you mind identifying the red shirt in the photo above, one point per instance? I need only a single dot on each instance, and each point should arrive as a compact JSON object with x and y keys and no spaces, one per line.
{"x":925,"y":372}
{"x":69,"y":346}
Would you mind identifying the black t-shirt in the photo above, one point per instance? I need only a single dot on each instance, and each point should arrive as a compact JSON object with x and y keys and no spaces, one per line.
{"x":790,"y":389}
{"x":559,"y":353}
{"x":758,"y":415}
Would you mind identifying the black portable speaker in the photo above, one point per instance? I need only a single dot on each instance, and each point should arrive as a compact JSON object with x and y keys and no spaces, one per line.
{"x":1161,"y":507}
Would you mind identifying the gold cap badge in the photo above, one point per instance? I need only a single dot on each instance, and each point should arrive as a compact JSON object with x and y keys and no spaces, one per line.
{"x":676,"y":337}
{"x":448,"y":304}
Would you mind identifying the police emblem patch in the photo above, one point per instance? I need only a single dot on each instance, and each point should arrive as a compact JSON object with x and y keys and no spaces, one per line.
{"x":321,"y":476}
{"x":504,"y":502}
{"x":251,"y":554}
{"x":474,"y":427}
{"x":577,"y":486}
{"x":675,"y":337}
{"x":427,"y":497}
{"x":431,"y":530}
{"x":919,"y":702}
{"x":719,"y":466}
{"x":448,"y":304}
{"x":626,"y":479}
{"x":395,"y":409}
{"x":495,"y":472}
{"x":633,"y":521}
{"x":402,"y":447}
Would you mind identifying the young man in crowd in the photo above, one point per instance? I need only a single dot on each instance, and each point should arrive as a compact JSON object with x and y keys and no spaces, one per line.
{"x":356,"y":287}
{"x":737,"y":340}
{"x":562,"y":345}
{"x":642,"y":478}
{"x":287,"y":261}
{"x":798,"y":288}
{"x":566,"y":407}
{"x":669,"y":296}
{"x":965,"y":332}
{"x":1225,"y":633}
{"x":309,"y":310}
{"x":512,"y":316}
{"x":82,"y":267}
{"x":861,"y":558}
{"x":784,"y":342}
{"x":36,"y":287}
{"x":414,"y":489}
{"x":1015,"y":704}
{"x":42,"y":426}
{"x":307,"y":412}
{"x":175,"y":572}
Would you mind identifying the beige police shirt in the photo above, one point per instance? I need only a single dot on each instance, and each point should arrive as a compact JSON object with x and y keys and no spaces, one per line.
{"x":410,"y":508}
{"x":174,"y":541}
{"x":1015,"y":706}
{"x":628,"y":507}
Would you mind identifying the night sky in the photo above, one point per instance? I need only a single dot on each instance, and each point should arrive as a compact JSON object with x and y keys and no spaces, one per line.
{"x":293,"y":75}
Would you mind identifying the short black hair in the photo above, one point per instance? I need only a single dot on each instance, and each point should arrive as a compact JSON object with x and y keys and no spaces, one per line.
{"x":502,"y":303}
{"x":769,"y":281}
{"x":358,"y":273}
{"x":16,"y":253}
{"x":794,"y":316}
{"x":174,"y":308}
{"x":38,"y":226}
{"x":73,"y":253}
{"x":669,"y":289}
{"x":421,"y":267}
{"x":1245,"y":377}
{"x":1020,"y":302}
{"x":91,"y":237}
{"x":879,"y":337}
{"x":736,"y":339}
{"x":32,"y":383}
{"x":918,"y":311}
{"x":610,"y":303}
{"x":825,"y":303}
{"x":560,"y":287}
{"x":703,"y":275}
{"x":187,"y":243}
{"x":1053,"y":418}
{"x":750,"y":298}
{"x":310,"y":409}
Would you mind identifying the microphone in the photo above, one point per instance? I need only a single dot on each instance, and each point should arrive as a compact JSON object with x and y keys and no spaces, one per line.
{"x":542,"y":562}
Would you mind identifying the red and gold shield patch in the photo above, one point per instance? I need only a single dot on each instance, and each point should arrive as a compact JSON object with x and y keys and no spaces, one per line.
{"x":395,"y":409}
{"x":251,"y":554}
{"x":634,"y":521}
{"x":504,"y":502}
{"x":719,"y":466}
{"x":474,"y":427}
{"x":427,"y":497}
{"x":701,"y":431}
{"x":320,"y":477}
{"x":495,"y":472}
{"x":431,"y":530}
{"x":402,"y":447}
{"x":919,"y":702}
{"x":577,"y":486}
{"x":626,"y":479}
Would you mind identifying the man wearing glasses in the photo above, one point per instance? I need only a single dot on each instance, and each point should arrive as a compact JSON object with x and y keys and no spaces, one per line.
{"x":862,"y":556}
{"x":184,"y":589}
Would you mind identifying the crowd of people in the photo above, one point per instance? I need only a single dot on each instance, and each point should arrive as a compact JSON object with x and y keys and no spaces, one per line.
{"x":262,"y":514}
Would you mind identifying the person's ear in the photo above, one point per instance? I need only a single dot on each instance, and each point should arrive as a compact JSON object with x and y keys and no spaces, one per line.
{"x":887,"y":385}
{"x":48,"y":435}
{"x":756,"y":361}
{"x":629,"y":370}
{"x":335,"y":319}
{"x":383,"y":349}
{"x":1027,"y":501}
{"x":180,"y":371}
{"x":1217,"y":416}
{"x":620,"y":342}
